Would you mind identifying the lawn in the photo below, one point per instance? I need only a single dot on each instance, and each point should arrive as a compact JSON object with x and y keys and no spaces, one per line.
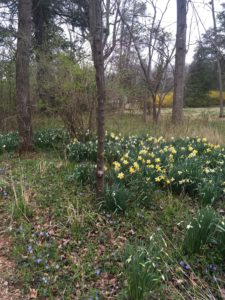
{"x":159,"y":233}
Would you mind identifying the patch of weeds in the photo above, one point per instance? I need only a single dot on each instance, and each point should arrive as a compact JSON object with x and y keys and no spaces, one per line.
{"x":79,"y":218}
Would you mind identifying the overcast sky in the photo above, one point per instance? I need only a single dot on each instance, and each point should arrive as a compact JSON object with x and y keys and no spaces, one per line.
{"x":204,"y":13}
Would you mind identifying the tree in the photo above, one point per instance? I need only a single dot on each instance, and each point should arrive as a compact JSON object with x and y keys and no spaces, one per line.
{"x":201,"y":78}
{"x":179,"y":75}
{"x":96,"y":32}
{"x":22,"y":76}
{"x":218,"y":61}
{"x":152,"y":46}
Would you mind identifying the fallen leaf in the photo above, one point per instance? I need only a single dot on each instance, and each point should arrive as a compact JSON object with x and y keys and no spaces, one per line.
{"x":33,"y":294}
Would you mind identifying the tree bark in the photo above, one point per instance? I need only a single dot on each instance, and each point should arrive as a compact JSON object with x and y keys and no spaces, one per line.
{"x":179,"y":76}
{"x":23,"y":77}
{"x":41,"y":18}
{"x":221,"y":115}
{"x":96,"y":30}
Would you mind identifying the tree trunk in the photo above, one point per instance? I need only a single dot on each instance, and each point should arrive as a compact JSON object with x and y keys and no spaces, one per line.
{"x":40,"y":11}
{"x":145,"y":111}
{"x":221,"y":115}
{"x":23,"y":77}
{"x":154,"y":110}
{"x":179,"y":76}
{"x":96,"y":30}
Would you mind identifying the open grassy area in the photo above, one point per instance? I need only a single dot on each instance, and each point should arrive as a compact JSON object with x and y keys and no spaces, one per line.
{"x":159,"y":232}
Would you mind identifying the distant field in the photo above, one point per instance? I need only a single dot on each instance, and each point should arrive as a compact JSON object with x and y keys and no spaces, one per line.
{"x":193,"y":112}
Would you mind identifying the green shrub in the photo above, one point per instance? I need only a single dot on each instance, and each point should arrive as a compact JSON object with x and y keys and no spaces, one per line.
{"x":9,"y":142}
{"x":200,"y":230}
{"x":50,"y":138}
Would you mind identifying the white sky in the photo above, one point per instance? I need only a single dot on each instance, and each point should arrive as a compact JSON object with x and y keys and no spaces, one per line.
{"x":204,"y":13}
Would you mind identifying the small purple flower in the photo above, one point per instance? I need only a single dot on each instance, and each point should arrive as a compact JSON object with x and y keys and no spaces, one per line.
{"x":47,"y":267}
{"x":30,"y":249}
{"x":41,"y":233}
{"x":184,"y":265}
{"x":38,"y":260}
{"x":47,"y":234}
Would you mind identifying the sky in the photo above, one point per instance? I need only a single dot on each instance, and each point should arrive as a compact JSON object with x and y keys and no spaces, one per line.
{"x":198,"y":27}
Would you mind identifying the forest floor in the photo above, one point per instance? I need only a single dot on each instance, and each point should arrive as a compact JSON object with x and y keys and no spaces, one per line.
{"x":9,"y":290}
{"x":57,"y":242}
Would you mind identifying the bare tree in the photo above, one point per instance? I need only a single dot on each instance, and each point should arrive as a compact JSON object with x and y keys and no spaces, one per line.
{"x":218,"y":61}
{"x":97,"y":46}
{"x":22,"y":76}
{"x":179,"y":76}
{"x":152,"y":46}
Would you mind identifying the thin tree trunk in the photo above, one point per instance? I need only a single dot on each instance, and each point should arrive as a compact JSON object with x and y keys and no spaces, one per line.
{"x":23,"y":77}
{"x":96,"y":29}
{"x":154,"y":110}
{"x":218,"y":62}
{"x":179,"y":76}
{"x":145,"y":111}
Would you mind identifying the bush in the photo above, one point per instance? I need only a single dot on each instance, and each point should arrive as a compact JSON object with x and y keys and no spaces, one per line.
{"x":50,"y":138}
{"x":8,"y":142}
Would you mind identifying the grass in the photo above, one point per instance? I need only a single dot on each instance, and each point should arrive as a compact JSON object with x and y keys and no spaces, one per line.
{"x":67,"y":246}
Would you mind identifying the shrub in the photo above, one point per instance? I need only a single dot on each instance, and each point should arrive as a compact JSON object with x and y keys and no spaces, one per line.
{"x":50,"y":138}
{"x":8,"y":142}
{"x":200,"y":230}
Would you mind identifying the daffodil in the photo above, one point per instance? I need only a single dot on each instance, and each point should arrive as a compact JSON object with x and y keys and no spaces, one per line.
{"x":132,"y":170}
{"x":121,"y":175}
{"x":117,"y":165}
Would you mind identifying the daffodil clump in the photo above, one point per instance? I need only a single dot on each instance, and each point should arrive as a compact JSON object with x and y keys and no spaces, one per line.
{"x":190,"y":165}
{"x":45,"y":139}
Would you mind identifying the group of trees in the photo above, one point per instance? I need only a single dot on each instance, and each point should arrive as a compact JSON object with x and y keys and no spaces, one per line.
{"x":126,"y":41}
{"x":206,"y":72}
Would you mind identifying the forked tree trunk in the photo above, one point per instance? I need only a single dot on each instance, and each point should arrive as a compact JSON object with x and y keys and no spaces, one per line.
{"x":96,"y":30}
{"x":179,"y":76}
{"x":22,"y":76}
{"x":221,"y":115}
